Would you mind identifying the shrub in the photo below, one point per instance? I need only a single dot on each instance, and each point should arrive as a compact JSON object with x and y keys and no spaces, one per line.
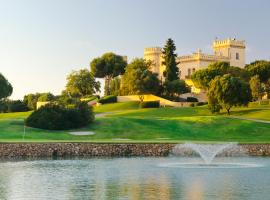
{"x":192,"y":99}
{"x":200,"y":103}
{"x":17,"y":106}
{"x":3,"y":107}
{"x":55,"y":117}
{"x":150,"y":104}
{"x":108,"y":99}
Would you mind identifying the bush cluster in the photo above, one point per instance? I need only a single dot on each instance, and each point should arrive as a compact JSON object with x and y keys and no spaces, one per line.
{"x":108,"y":99}
{"x":13,"y":106}
{"x":150,"y":104}
{"x":17,"y":106}
{"x":192,"y":99}
{"x":56,"y":117}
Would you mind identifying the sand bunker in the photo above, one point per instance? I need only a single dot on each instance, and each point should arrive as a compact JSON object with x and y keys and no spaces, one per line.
{"x":82,"y":133}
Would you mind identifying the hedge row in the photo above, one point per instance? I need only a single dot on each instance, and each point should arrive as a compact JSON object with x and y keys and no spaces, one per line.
{"x":197,"y":104}
{"x":108,"y":99}
{"x":192,"y":99}
{"x":150,"y":104}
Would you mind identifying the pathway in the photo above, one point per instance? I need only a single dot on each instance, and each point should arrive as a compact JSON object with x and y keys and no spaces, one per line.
{"x":250,"y":119}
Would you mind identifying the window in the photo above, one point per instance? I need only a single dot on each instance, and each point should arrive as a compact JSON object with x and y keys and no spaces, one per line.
{"x":189,"y":71}
{"x":237,"y":56}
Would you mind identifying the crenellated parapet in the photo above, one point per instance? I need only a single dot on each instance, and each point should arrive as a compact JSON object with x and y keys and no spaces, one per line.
{"x":229,"y":43}
{"x":202,"y":56}
{"x":152,"y":50}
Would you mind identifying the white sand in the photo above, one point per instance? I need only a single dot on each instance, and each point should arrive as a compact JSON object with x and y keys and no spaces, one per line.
{"x":82,"y":133}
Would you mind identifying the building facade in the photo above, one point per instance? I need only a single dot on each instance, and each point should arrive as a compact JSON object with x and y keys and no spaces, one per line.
{"x":230,"y":50}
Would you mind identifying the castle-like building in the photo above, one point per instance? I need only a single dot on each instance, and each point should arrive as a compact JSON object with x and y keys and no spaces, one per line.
{"x":230,"y":50}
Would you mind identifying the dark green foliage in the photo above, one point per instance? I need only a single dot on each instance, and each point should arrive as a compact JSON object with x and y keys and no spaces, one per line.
{"x":171,"y":72}
{"x":66,"y":100}
{"x":16,"y":106}
{"x":108,"y":99}
{"x":108,"y":66}
{"x":3,"y":106}
{"x":150,"y":104}
{"x":55,"y":117}
{"x":5,"y":87}
{"x":176,"y":88}
{"x":192,"y":99}
{"x":200,"y":103}
{"x":214,"y":107}
{"x":227,"y":91}
{"x":192,"y":105}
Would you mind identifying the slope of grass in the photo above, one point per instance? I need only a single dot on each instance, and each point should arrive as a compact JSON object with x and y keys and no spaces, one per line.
{"x":262,"y":113}
{"x":116,"y":107}
{"x":126,"y":121}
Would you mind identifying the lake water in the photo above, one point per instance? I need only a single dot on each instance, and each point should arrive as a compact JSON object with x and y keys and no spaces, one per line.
{"x":136,"y":178}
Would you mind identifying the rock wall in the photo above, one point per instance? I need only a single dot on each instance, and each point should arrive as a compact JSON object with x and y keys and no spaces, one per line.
{"x":92,"y":149}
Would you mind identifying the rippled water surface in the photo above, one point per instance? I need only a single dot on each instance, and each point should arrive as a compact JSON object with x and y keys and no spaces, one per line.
{"x":136,"y":178}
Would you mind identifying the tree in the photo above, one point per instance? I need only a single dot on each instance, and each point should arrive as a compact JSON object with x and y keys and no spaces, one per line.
{"x":115,"y":86}
{"x":260,"y":68}
{"x":108,"y":66}
{"x":46,"y":97}
{"x":31,"y":100}
{"x":228,"y":91}
{"x":203,"y":77}
{"x":139,"y":80}
{"x":6,"y":88}
{"x":176,"y":87}
{"x":171,"y":72}
{"x":256,"y":88}
{"x":81,"y":83}
{"x":266,"y":88}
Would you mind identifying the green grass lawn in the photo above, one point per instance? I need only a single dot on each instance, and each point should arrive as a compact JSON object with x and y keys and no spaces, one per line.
{"x":125,"y":121}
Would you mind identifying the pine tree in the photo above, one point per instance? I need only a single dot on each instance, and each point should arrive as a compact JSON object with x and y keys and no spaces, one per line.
{"x":171,"y":72}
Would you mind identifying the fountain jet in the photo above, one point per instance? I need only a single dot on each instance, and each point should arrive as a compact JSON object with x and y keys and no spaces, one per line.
{"x":206,"y":151}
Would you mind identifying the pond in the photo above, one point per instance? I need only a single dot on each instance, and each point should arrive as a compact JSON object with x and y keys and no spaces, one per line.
{"x":136,"y":178}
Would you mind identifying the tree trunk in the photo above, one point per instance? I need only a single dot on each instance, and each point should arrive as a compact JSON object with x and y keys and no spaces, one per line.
{"x":141,"y":97}
{"x":107,"y":90}
{"x":228,"y":110}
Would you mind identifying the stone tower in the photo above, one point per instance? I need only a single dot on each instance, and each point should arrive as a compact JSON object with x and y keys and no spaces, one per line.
{"x":233,"y":49}
{"x":154,"y":54}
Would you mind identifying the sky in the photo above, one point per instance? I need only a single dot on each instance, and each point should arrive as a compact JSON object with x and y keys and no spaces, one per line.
{"x":42,"y":41}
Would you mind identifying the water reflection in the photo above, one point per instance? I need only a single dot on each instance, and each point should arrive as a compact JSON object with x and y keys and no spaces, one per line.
{"x":129,"y":178}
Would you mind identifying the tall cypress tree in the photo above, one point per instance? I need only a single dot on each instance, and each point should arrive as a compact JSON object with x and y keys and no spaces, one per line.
{"x":171,"y":72}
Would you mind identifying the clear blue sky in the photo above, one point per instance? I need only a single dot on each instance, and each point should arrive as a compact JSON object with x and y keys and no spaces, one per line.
{"x":41,"y":41}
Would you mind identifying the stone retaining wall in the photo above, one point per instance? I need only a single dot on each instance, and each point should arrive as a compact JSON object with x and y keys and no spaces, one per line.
{"x":93,"y":149}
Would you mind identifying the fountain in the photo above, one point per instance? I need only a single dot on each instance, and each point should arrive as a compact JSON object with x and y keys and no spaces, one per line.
{"x":208,"y":153}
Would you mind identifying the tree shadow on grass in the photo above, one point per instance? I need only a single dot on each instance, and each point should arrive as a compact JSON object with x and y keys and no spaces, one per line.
{"x":244,"y":112}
